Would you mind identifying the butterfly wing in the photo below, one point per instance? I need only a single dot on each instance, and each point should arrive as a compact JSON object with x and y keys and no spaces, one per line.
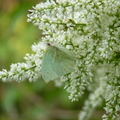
{"x":47,"y":71}
{"x":68,"y":52}
{"x":57,"y":62}
{"x":64,"y":61}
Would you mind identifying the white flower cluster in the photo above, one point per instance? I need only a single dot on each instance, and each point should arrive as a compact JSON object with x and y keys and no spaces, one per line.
{"x":112,"y":97}
{"x":96,"y":97}
{"x":91,"y":29}
{"x":94,"y":100}
{"x":29,"y":70}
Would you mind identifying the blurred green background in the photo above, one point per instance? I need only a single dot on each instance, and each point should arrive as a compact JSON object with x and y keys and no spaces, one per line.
{"x":25,"y":100}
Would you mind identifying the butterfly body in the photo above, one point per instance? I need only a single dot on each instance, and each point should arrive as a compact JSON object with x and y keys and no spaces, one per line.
{"x":57,"y":61}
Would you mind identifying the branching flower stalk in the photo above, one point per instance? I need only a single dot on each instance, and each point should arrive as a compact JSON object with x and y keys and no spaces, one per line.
{"x":89,"y":28}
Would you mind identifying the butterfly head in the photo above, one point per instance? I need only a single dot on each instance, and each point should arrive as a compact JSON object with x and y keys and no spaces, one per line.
{"x":48,"y":44}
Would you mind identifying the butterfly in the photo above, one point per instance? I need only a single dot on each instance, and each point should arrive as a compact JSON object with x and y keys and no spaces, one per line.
{"x":56,"y":62}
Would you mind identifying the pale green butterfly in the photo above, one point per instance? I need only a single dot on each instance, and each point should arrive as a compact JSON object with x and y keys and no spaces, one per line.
{"x":56,"y":62}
